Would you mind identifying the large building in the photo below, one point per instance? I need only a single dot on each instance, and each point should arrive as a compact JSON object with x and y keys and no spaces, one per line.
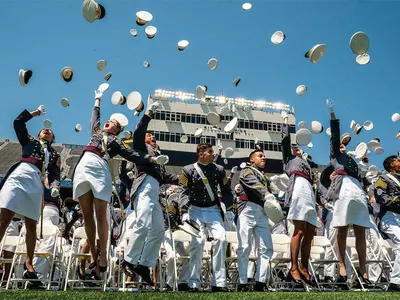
{"x":182,"y":114}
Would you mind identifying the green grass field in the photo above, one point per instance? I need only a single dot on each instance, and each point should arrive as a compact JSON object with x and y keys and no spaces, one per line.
{"x":88,"y":295}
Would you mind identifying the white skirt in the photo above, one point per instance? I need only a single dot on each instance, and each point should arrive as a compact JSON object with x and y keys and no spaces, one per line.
{"x":22,"y":192}
{"x":92,"y":173}
{"x":351,"y":208}
{"x":302,"y":205}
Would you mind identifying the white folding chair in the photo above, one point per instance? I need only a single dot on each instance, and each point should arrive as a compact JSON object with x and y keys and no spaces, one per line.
{"x":48,"y":230}
{"x":279,"y":262}
{"x":8,"y":241}
{"x":319,"y":246}
{"x":73,"y":258}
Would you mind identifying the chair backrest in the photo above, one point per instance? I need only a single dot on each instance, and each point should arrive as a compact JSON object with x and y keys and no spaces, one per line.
{"x":321,"y":241}
{"x":10,"y":240}
{"x":181,"y":236}
{"x":384,"y":243}
{"x":351,"y":242}
{"x":231,"y":237}
{"x":48,"y":230}
{"x":80,"y":233}
{"x":317,"y":250}
{"x":280,"y":239}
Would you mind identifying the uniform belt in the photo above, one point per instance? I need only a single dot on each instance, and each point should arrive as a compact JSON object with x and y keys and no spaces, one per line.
{"x":203,"y":203}
{"x":32,"y":161}
{"x":301,"y":174}
{"x":94,"y":150}
{"x":343,"y":172}
{"x":243,"y":197}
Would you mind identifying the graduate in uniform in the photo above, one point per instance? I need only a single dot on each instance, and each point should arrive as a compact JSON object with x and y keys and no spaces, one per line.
{"x":148,"y":227}
{"x":21,"y":191}
{"x":300,"y":199}
{"x":203,"y":180}
{"x":252,"y":223}
{"x":350,"y":201}
{"x":92,"y":182}
{"x":387,"y":195}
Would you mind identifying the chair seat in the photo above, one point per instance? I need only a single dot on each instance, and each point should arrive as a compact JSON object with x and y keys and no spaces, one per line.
{"x":280,"y":260}
{"x":324,"y":261}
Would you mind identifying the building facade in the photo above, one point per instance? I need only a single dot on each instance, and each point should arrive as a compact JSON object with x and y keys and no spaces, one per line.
{"x":181,"y":114}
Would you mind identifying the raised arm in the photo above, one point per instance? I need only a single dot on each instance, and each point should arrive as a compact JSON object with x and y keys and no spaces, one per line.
{"x":20,"y":124}
{"x":335,"y":131}
{"x":140,"y":133}
{"x":286,"y":143}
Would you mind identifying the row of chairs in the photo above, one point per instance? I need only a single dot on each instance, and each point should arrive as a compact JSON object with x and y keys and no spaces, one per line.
{"x":65,"y":259}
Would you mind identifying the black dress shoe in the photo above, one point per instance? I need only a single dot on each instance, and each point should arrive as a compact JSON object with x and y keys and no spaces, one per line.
{"x":328,"y":279}
{"x":260,"y":287}
{"x":85,"y":277}
{"x":243,"y":288}
{"x":217,"y":289}
{"x":143,"y":272}
{"x":194,"y":290}
{"x":365,"y":282}
{"x":393,"y":287}
{"x":128,"y":268}
{"x":183,"y":287}
{"x":168,"y":288}
{"x":32,"y":276}
{"x":297,"y":283}
{"x":309,"y":282}
{"x":342,"y":282}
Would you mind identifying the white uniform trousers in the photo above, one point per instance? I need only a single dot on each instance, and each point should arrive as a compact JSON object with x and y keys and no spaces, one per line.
{"x":373,"y":251}
{"x":42,"y":266}
{"x":148,"y":227}
{"x":210,"y":220}
{"x":253,"y":221}
{"x":390,"y":224}
{"x":180,"y":251}
{"x":333,"y":252}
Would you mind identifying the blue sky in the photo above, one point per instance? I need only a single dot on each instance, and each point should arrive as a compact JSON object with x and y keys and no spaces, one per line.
{"x":45,"y":35}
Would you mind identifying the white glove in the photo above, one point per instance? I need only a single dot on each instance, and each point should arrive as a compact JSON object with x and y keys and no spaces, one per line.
{"x":98,"y":94}
{"x":219,"y":145}
{"x":274,"y":178}
{"x":234,"y":169}
{"x":131,"y":175}
{"x":284,"y":115}
{"x":42,"y":110}
{"x":330,"y":105}
{"x":154,"y":106}
{"x":161,"y":159}
{"x":185,"y":217}
{"x":55,"y":192}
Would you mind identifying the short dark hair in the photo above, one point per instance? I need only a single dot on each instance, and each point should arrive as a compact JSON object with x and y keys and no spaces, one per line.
{"x":254,"y":152}
{"x":54,"y":137}
{"x":203,"y":147}
{"x":387,"y":163}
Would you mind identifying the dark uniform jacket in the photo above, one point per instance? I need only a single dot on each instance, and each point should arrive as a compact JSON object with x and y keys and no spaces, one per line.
{"x":293,"y":165}
{"x":156,"y":171}
{"x":33,"y":152}
{"x":114,"y":145}
{"x":254,"y":186}
{"x":196,"y":190}
{"x":342,"y":163}
{"x":387,"y":194}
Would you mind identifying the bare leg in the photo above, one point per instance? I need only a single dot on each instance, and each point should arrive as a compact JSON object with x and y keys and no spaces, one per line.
{"x":82,"y":266}
{"x":361,"y":247}
{"x":5,"y":219}
{"x":306,"y":249}
{"x":299,"y":228}
{"x":86,"y":203}
{"x":341,"y":242}
{"x":30,"y":226}
{"x":101,"y":207}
